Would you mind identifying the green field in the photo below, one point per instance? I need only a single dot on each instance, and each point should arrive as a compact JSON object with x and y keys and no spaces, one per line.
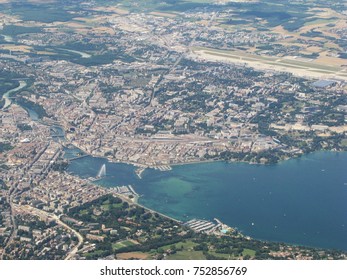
{"x":13,"y":30}
{"x":122,"y":244}
{"x":187,"y":255}
{"x":248,"y":252}
{"x":344,"y":143}
{"x":188,"y":245}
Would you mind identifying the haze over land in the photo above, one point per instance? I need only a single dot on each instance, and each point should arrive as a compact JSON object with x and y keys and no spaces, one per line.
{"x":156,"y":83}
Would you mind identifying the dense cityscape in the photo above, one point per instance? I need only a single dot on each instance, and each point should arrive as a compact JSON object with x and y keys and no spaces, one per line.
{"x":154,"y":87}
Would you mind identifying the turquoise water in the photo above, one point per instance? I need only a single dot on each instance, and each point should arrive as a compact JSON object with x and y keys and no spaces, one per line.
{"x":300,"y":201}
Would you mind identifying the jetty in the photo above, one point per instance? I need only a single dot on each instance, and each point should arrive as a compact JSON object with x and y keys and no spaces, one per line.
{"x":132,"y":190}
{"x":126,"y":192}
{"x":139,"y":172}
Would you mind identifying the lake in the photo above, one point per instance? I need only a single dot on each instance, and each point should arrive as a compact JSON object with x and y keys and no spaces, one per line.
{"x":299,"y":201}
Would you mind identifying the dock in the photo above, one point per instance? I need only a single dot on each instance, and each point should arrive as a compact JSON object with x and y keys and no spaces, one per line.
{"x":163,"y":167}
{"x":201,"y":225}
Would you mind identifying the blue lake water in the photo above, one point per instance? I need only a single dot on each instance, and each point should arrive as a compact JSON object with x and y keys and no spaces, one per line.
{"x":300,"y":201}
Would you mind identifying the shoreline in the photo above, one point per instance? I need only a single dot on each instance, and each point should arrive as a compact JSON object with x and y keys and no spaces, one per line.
{"x":297,"y":243}
{"x":144,"y":167}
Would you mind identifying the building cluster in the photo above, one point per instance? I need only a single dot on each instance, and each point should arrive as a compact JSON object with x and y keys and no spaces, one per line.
{"x":38,"y":238}
{"x":129,"y":87}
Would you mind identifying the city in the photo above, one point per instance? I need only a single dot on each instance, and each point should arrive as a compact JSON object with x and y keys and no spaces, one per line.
{"x":155,"y":88}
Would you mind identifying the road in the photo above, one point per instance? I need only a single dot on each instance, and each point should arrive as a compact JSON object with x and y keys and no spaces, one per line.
{"x":45,"y":214}
{"x":14,"y":225}
{"x":168,"y":71}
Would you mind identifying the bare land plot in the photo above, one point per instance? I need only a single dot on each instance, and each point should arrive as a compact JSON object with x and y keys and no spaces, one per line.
{"x":132,"y":255}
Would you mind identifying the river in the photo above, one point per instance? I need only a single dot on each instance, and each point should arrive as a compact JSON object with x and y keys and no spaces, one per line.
{"x":7,"y":38}
{"x":7,"y":94}
{"x":82,"y":54}
{"x":57,"y":132}
{"x":299,"y":201}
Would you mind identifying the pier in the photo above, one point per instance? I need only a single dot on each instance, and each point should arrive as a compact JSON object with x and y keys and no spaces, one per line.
{"x":133,"y":191}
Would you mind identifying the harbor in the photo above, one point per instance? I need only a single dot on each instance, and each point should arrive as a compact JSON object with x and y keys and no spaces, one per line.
{"x":208,"y":227}
{"x":201,"y":225}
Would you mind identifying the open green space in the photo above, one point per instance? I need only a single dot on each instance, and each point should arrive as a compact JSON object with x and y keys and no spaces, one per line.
{"x":5,"y":147}
{"x":28,"y":104}
{"x":248,"y":252}
{"x":6,"y":85}
{"x":222,"y":256}
{"x":13,"y":30}
{"x":122,"y":244}
{"x":187,"y":255}
{"x":46,"y":13}
{"x":183,"y":245}
{"x":94,"y":254}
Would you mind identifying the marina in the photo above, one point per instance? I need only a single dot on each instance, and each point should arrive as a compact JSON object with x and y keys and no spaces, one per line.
{"x":200,"y":225}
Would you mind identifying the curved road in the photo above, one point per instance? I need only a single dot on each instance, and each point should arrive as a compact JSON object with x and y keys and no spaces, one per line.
{"x":45,"y":214}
